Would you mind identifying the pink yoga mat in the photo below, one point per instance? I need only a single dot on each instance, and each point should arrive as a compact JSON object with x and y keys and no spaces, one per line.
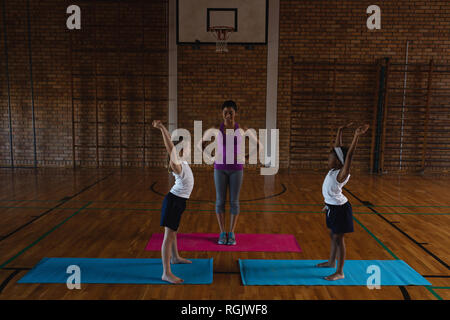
{"x":245,"y":242}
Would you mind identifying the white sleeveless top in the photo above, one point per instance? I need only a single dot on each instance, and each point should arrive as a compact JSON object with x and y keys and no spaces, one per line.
{"x":184,"y":182}
{"x":332,"y":189}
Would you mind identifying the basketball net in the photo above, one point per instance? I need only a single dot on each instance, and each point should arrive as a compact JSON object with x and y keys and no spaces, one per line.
{"x":221,"y":34}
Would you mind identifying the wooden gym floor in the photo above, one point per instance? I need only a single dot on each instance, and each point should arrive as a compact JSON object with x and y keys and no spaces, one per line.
{"x":110,"y":213}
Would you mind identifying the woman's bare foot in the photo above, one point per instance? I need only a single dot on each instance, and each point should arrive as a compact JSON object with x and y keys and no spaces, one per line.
{"x":326,"y":265}
{"x":335,"y":276}
{"x":171,"y":278}
{"x":179,"y":260}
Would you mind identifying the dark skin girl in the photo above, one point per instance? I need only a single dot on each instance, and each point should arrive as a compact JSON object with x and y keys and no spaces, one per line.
{"x":338,"y":249}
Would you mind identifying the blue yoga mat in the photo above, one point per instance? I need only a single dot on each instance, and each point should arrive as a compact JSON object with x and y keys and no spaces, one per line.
{"x":131,"y":271}
{"x":305,"y":272}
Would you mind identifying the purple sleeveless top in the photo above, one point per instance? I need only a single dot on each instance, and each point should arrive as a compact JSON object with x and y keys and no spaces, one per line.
{"x":221,"y":150}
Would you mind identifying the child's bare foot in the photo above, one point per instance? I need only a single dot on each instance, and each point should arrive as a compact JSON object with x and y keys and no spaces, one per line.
{"x":335,"y":276}
{"x":171,"y":278}
{"x":179,"y":260}
{"x":326,"y":265}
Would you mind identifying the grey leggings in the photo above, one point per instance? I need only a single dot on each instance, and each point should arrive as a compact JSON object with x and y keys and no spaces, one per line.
{"x":223,"y":179}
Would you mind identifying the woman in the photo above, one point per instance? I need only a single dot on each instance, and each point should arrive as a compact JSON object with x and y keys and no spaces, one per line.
{"x":229,"y":176}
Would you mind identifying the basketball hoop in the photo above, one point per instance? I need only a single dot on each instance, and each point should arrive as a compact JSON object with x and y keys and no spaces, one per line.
{"x":221,"y":34}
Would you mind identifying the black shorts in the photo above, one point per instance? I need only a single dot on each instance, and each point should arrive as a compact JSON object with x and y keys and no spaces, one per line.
{"x":172,"y":208}
{"x":340,"y":218}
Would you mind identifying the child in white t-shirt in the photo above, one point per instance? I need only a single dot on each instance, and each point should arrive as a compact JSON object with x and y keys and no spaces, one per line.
{"x":174,"y":204}
{"x":339,"y":215}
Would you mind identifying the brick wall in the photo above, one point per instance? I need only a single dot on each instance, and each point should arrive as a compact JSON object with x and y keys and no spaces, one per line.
{"x":310,"y":31}
{"x":120,"y":50}
{"x":313,"y":31}
{"x":206,"y":79}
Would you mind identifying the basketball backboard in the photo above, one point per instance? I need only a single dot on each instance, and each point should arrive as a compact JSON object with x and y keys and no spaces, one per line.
{"x":247,"y":17}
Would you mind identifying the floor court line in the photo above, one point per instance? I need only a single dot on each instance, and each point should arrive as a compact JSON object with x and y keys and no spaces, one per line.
{"x":429,"y":288}
{"x":67,"y":199}
{"x":405,"y":293}
{"x":8,"y":279}
{"x":89,"y":203}
{"x":242,"y":204}
{"x":42,"y":237}
{"x":392,"y":254}
{"x":245,"y":211}
{"x":152,"y":188}
{"x":435,"y":257}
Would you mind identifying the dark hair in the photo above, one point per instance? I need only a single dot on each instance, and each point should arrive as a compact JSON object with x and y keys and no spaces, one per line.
{"x":180,"y":139}
{"x":230,"y":103}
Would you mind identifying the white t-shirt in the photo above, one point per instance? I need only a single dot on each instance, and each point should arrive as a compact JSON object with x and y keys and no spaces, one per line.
{"x":184,"y":182}
{"x":332,"y":189}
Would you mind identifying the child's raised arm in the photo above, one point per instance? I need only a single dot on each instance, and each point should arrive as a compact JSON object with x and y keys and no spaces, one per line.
{"x":338,"y":141}
{"x":345,"y":171}
{"x":171,"y":150}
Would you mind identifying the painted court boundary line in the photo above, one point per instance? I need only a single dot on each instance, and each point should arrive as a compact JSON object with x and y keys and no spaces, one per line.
{"x":42,"y":236}
{"x":420,"y":245}
{"x":212,"y":210}
{"x":84,"y":207}
{"x":152,"y":188}
{"x":242,"y":204}
{"x":429,"y":288}
{"x":17,"y":270}
{"x":8,"y":279}
{"x":63,"y":201}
